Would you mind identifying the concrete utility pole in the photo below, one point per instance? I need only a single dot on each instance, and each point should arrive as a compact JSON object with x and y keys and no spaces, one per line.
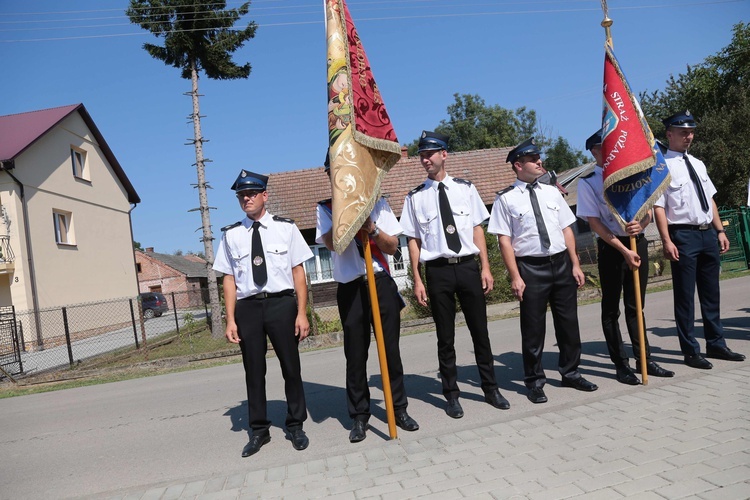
{"x":217,"y":329}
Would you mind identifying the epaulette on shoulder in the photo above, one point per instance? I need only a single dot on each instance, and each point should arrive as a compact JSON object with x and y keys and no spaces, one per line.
{"x":462,"y":181}
{"x":506,"y":190}
{"x":588,"y":175}
{"x":325,"y":202}
{"x":417,"y":189}
{"x":283,"y":219}
{"x":230,"y":226}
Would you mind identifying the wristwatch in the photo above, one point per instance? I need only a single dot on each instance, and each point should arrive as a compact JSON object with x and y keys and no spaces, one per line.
{"x":720,"y":231}
{"x":374,"y":232}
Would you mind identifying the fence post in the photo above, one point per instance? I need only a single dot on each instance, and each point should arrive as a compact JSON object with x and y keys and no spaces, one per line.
{"x":18,"y":340}
{"x":135,"y":330}
{"x":67,"y":334}
{"x":176,"y":321}
{"x":311,"y":305}
{"x":205,"y":308}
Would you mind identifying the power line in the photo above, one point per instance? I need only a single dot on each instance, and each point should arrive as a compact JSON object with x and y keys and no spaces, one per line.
{"x":389,"y":18}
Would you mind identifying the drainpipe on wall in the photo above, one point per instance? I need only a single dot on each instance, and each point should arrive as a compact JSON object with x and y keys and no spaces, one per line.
{"x":6,"y":166}
{"x":135,"y":266}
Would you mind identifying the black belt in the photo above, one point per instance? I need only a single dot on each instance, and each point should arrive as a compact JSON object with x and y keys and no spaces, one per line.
{"x":542,"y":260}
{"x":266,"y":295}
{"x":693,"y":227}
{"x":444,"y":261}
{"x":363,"y":278}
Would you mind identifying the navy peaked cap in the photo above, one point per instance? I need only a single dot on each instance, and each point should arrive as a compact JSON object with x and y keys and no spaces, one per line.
{"x":595,"y":139}
{"x":432,"y":141}
{"x":250,"y":180}
{"x":681,"y":119}
{"x":527,"y":147}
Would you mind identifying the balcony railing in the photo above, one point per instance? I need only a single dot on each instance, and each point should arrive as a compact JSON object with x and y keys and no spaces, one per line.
{"x":6,"y":252}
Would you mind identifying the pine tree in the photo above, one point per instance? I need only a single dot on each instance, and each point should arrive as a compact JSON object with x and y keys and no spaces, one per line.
{"x":198,"y":37}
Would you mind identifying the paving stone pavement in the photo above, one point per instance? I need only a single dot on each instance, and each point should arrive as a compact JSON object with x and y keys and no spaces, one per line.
{"x":686,"y":437}
{"x":690,"y":439}
{"x":179,"y":436}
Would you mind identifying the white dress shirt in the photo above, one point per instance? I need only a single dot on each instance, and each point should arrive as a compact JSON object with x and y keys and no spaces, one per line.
{"x":350,"y":265}
{"x":591,"y":202}
{"x":680,"y":200}
{"x":512,"y":215}
{"x":284,"y":248}
{"x":421,"y":217}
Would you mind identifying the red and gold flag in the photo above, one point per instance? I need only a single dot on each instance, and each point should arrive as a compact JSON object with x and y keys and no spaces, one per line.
{"x":362,"y":143}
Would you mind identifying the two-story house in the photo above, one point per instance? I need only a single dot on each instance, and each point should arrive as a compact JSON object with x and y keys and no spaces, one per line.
{"x":65,"y":228}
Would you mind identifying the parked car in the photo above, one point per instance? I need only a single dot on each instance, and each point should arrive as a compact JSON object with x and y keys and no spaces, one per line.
{"x":154,"y":304}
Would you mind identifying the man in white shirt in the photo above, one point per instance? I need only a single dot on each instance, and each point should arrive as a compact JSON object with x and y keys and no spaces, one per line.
{"x":532,"y":222}
{"x":261,"y":257}
{"x":443,"y":219}
{"x":355,"y":310}
{"x":693,"y":238}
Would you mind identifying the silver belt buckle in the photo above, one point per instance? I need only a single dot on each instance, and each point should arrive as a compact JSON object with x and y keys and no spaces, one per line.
{"x":704,"y":227}
{"x":453,"y":260}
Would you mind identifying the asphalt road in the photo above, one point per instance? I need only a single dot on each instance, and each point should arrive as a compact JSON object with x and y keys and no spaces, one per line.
{"x":100,"y":440}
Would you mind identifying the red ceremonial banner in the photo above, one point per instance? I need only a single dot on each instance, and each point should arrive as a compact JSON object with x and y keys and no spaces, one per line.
{"x":362,"y":143}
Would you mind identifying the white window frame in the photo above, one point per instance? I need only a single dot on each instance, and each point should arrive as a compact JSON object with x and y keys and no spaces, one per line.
{"x":78,"y":162}
{"x":316,"y":275}
{"x":63,"y":227}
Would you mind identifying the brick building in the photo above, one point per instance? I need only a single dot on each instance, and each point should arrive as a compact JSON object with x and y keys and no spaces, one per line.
{"x":184,"y":275}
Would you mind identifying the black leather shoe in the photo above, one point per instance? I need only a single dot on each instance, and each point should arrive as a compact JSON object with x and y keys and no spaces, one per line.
{"x":698,"y":361}
{"x":497,"y":400}
{"x":256,"y":443}
{"x":724,"y":353}
{"x":580,"y":384}
{"x":536,"y":395}
{"x":407,"y":423}
{"x":655,"y":370}
{"x":626,"y":376}
{"x":454,"y":409}
{"x":299,"y":439}
{"x":358,"y":431}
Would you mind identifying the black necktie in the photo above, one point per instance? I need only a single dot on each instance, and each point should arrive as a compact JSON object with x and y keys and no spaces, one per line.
{"x":543,"y":235}
{"x":449,"y":225}
{"x":260,"y":275}
{"x":696,"y":183}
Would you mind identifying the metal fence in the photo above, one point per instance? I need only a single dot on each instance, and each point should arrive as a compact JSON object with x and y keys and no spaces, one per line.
{"x":62,"y":337}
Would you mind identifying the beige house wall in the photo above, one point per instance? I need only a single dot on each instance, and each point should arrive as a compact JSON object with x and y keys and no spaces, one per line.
{"x":98,"y":264}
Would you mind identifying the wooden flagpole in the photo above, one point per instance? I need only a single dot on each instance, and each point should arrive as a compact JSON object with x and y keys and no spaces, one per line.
{"x":607,"y":24}
{"x":375,"y":306}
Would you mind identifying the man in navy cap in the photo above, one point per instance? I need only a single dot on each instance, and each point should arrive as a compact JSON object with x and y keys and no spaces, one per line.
{"x":693,"y":238}
{"x":443,"y":219}
{"x":355,"y":310}
{"x":261,"y":257}
{"x":615,"y":261}
{"x":532,"y":222}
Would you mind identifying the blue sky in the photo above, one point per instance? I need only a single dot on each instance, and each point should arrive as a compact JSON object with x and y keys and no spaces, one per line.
{"x":546,"y":55}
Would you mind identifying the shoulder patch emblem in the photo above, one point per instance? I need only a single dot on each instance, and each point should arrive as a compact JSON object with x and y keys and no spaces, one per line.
{"x":230,"y":226}
{"x":417,"y":189}
{"x":283,"y":219}
{"x":462,"y":181}
{"x":506,"y":190}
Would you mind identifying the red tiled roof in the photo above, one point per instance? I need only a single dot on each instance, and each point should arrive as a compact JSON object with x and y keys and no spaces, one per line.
{"x":294,"y":194}
{"x":18,"y":132}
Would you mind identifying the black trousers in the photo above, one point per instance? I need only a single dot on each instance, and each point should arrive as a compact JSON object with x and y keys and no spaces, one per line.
{"x":617,"y":279}
{"x":275,"y":318}
{"x":699,"y":266}
{"x":549,"y":282}
{"x":356,"y":317}
{"x":444,"y":284}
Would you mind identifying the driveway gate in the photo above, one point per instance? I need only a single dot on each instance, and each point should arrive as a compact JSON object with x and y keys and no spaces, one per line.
{"x":10,"y":350}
